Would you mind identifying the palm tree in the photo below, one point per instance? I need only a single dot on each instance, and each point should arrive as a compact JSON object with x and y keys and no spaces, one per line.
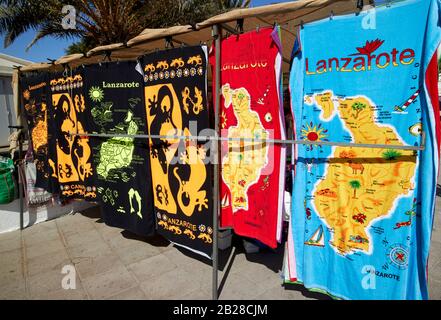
{"x":358,"y":107}
{"x":391,"y":154}
{"x":100,"y":22}
{"x":355,"y":184}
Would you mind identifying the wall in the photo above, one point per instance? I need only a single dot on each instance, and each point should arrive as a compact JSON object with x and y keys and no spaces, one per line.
{"x":10,"y":213}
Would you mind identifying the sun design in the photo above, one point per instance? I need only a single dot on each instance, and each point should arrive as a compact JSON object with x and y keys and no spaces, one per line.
{"x":96,"y":94}
{"x":311,"y":132}
{"x":27,"y":94}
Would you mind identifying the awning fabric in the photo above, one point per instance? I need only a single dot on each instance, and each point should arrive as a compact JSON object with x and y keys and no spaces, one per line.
{"x":288,"y":15}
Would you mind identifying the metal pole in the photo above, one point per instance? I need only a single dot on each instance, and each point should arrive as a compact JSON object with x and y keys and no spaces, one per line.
{"x":20,"y":182}
{"x":275,"y":141}
{"x":216,"y":149}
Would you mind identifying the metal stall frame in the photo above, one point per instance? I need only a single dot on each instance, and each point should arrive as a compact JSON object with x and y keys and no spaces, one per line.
{"x":217,"y":26}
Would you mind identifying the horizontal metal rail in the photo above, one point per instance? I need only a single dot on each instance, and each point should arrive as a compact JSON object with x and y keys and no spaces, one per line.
{"x":269,"y":141}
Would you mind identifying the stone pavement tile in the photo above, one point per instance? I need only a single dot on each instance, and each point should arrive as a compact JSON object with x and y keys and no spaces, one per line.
{"x":436,"y":235}
{"x":11,"y":269}
{"x":200,"y":294}
{"x":13,"y":291}
{"x":72,"y":224}
{"x":53,"y":262}
{"x":435,"y":272}
{"x":170,"y":285}
{"x":46,"y":282}
{"x":91,"y":236}
{"x":280,"y":293}
{"x":35,"y":238}
{"x":135,"y":252}
{"x":186,"y":259}
{"x":197,"y":271}
{"x":107,"y":284}
{"x":117,"y":240}
{"x":91,"y":266}
{"x":11,"y":257}
{"x":435,"y":255}
{"x":237,"y":287}
{"x":62,"y":294}
{"x":434,"y":289}
{"x":10,"y":242}
{"x":43,"y":248}
{"x":89,"y":250}
{"x":130,"y":294}
{"x":151,"y":267}
{"x":258,"y":273}
{"x":106,"y":231}
{"x":41,"y":227}
{"x":9,"y":235}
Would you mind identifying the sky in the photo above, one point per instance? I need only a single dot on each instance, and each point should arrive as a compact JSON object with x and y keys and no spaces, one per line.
{"x":52,"y":48}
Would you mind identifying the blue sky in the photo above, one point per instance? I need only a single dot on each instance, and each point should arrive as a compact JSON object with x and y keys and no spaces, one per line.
{"x":54,"y":48}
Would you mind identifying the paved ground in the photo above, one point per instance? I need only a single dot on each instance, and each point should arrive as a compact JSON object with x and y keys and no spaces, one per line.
{"x":112,"y":264}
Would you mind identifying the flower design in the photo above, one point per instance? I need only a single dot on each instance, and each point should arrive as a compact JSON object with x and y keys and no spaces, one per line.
{"x":164,"y":217}
{"x":172,"y":73}
{"x":179,"y":73}
{"x":209,"y":230}
{"x":161,"y":75}
{"x":192,"y":72}
{"x":200,"y":71}
{"x":166,"y":74}
{"x":155,"y":76}
{"x":26,"y":94}
{"x":202,"y":228}
{"x":268,"y":117}
{"x":151,"y":77}
{"x":186,"y":72}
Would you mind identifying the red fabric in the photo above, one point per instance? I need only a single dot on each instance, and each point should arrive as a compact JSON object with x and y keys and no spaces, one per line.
{"x":432,"y":86}
{"x":248,"y":66}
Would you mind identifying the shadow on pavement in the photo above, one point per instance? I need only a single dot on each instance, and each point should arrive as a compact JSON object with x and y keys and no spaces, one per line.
{"x":305,"y":292}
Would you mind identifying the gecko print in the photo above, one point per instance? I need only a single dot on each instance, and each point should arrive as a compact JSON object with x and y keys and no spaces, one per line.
{"x":176,"y":105}
{"x":114,"y":94}
{"x":251,"y":109}
{"x":37,"y":108}
{"x":74,"y":154}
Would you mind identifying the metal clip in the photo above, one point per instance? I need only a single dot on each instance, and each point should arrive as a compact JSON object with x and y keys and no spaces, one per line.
{"x":169,"y":42}
{"x":66,"y":70}
{"x":239,"y":26}
{"x":107,"y":55}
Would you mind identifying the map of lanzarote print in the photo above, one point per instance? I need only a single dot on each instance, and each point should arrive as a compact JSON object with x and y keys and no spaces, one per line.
{"x":117,"y":153}
{"x":359,"y":185}
{"x":242,"y":165}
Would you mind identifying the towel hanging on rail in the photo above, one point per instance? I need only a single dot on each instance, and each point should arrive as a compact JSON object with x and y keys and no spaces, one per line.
{"x":362,"y":217}
{"x":115,"y":95}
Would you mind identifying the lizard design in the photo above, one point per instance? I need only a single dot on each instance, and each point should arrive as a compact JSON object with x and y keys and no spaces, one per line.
{"x":177,"y":63}
{"x":162,"y":64}
{"x":205,"y":237}
{"x":190,"y":234}
{"x":197,"y":106}
{"x":197,"y":60}
{"x":191,"y":189}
